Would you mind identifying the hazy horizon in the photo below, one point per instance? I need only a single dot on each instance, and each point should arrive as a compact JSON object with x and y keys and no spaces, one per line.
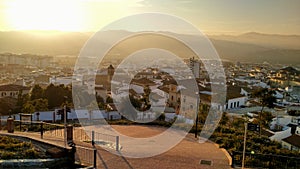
{"x":206,"y":33}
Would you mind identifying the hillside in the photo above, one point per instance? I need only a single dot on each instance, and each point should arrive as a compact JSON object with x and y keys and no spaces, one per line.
{"x":250,"y":47}
{"x":266,"y":40}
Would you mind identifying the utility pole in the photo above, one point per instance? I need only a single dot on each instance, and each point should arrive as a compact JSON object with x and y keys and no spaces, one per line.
{"x":244,"y":149}
{"x":65,"y":126}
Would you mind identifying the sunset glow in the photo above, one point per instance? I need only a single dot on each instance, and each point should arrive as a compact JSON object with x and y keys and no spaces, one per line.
{"x":60,"y":15}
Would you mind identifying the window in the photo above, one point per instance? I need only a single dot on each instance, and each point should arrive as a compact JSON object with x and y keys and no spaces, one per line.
{"x":234,"y":104}
{"x":172,"y":98}
{"x":231,"y":104}
{"x":238,"y":104}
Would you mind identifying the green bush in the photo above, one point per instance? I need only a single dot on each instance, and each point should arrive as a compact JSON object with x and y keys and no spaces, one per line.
{"x":11,"y":148}
{"x":7,"y":155}
{"x":31,"y":153}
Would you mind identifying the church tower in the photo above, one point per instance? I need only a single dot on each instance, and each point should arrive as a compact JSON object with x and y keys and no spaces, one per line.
{"x":110,"y":73}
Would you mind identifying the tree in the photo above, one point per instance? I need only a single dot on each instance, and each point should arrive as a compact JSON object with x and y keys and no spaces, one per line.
{"x":21,"y":100}
{"x":35,"y":105}
{"x":135,"y":102}
{"x":203,"y":112}
{"x":56,"y":95}
{"x":109,"y":100}
{"x":40,"y":104}
{"x":267,"y":99}
{"x":147,"y":92}
{"x":28,"y":108}
{"x":99,"y":99}
{"x":266,"y":118}
{"x":224,"y":120}
{"x":37,"y":93}
{"x":100,"y":102}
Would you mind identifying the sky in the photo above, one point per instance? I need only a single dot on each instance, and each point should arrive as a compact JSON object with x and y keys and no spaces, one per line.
{"x":210,"y":16}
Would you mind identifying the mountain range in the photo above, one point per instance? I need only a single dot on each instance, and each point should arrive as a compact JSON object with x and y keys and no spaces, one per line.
{"x":248,"y":47}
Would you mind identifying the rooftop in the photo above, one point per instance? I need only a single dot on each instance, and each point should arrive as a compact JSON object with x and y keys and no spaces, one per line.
{"x":12,"y":87}
{"x":293,"y":140}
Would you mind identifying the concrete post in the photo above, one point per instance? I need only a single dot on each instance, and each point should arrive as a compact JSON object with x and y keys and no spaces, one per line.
{"x":95,"y":158}
{"x":41,"y":130}
{"x":70,"y":133}
{"x":10,"y":125}
{"x":117,"y":143}
{"x":93,"y":138}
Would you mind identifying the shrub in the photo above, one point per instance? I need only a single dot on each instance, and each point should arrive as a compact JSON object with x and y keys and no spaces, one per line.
{"x":31,"y":153}
{"x":11,"y":148}
{"x":7,"y":155}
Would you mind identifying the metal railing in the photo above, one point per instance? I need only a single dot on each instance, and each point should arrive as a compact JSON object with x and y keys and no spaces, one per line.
{"x":54,"y":130}
{"x":86,"y":156}
{"x":3,"y":124}
{"x":107,"y":140}
{"x":51,"y":129}
{"x":82,"y":135}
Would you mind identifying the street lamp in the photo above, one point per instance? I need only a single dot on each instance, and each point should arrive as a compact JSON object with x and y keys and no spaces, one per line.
{"x":245,"y":139}
{"x":65,"y":122}
{"x":197,"y":107}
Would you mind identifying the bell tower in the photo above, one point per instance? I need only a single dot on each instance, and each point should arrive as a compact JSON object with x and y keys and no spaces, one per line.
{"x":110,"y":73}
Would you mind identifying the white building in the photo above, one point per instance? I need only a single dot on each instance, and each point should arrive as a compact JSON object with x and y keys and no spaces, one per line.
{"x":12,"y":90}
{"x":236,"y":97}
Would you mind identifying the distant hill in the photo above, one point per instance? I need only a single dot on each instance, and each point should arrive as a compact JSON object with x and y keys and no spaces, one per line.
{"x":267,"y":40}
{"x":57,"y":43}
{"x":249,"y":47}
{"x":244,"y":52}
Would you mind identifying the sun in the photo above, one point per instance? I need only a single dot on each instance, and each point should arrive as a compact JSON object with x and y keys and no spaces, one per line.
{"x":62,"y":15}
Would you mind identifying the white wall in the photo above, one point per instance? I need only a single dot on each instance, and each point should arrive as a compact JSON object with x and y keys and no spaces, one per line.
{"x":236,"y":103}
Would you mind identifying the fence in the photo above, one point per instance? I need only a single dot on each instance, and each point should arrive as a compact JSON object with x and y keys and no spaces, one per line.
{"x":86,"y":156}
{"x":57,"y":130}
{"x":54,"y":130}
{"x":107,"y":140}
{"x":3,"y":124}
{"x":82,"y":135}
{"x":51,"y":129}
{"x":83,"y":155}
{"x":265,"y":161}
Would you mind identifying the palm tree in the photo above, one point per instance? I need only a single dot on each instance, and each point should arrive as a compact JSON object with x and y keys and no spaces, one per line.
{"x":267,"y":99}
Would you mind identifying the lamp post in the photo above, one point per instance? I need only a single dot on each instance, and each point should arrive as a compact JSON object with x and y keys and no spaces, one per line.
{"x":65,"y":122}
{"x":197,"y":107}
{"x":65,"y":127}
{"x":244,"y":149}
{"x":245,"y":137}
